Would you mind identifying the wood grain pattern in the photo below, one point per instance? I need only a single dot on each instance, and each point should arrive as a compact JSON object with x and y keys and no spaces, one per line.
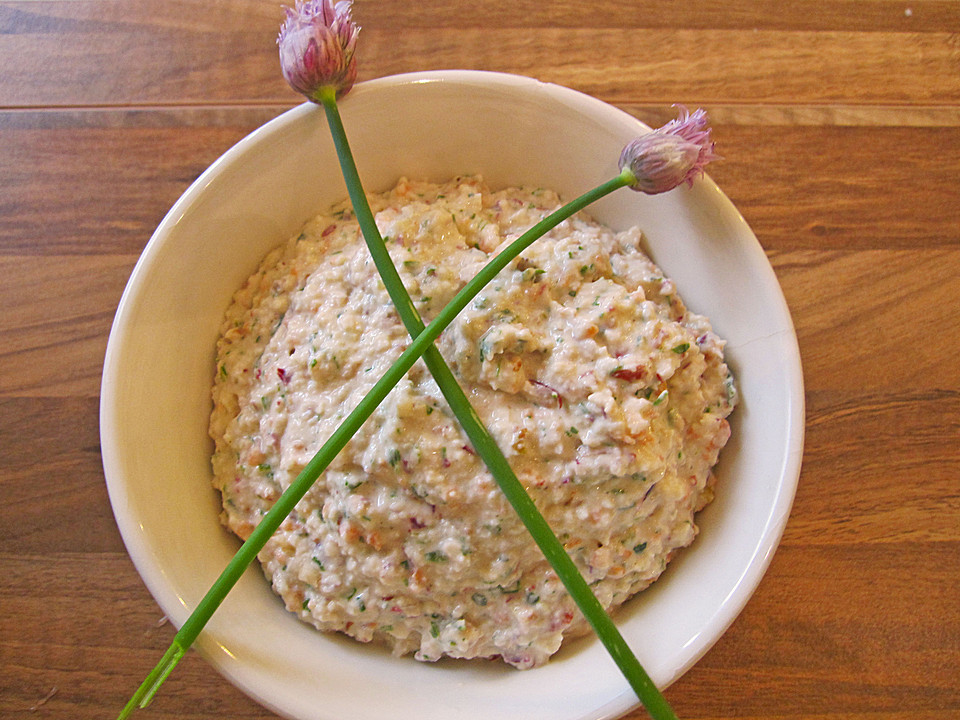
{"x":235,"y":42}
{"x":839,"y":122}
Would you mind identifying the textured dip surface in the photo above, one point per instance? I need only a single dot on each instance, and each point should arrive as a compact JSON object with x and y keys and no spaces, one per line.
{"x":608,"y":397}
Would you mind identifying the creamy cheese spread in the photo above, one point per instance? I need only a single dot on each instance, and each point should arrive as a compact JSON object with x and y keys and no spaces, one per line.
{"x":608,"y":397}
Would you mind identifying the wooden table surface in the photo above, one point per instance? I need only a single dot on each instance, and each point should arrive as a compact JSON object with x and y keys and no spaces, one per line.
{"x":839,"y":123}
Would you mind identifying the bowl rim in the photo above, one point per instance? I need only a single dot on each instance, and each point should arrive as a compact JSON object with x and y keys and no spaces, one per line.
{"x":140,"y":551}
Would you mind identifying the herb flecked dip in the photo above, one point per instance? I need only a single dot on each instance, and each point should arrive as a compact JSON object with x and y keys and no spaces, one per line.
{"x":608,"y":397}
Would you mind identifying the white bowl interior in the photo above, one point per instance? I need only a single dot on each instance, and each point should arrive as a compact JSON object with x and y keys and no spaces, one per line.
{"x":158,"y":370}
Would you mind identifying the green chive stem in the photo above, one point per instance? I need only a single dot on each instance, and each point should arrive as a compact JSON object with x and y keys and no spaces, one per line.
{"x":482,"y":441}
{"x":247,"y":552}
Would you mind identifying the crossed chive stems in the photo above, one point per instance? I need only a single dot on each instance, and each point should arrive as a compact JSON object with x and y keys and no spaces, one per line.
{"x":422,"y":344}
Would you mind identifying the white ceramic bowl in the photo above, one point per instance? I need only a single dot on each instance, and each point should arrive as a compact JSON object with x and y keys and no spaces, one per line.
{"x":159,"y":368}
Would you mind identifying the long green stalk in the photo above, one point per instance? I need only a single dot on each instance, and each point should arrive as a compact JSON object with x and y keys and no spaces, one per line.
{"x":483,"y":443}
{"x":605,"y":629}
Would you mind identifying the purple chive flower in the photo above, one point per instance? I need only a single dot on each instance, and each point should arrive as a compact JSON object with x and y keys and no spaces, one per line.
{"x":317,"y":41}
{"x":668,"y":156}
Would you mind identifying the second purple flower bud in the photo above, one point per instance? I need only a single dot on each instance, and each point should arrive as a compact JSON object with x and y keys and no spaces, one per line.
{"x":668,"y":156}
